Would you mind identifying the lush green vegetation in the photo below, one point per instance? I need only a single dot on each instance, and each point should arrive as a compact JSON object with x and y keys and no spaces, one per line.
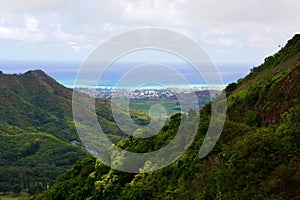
{"x":36,"y":128}
{"x":171,"y":106}
{"x":31,"y":161}
{"x":257,"y":156}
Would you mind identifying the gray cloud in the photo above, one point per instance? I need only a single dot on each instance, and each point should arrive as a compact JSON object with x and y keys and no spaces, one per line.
{"x":33,"y":5}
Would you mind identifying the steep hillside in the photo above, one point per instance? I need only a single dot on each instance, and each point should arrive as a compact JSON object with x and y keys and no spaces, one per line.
{"x":257,"y":156}
{"x":270,"y":89}
{"x":36,"y":128}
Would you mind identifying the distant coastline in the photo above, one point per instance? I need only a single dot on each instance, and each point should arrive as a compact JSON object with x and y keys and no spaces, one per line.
{"x":65,"y":73}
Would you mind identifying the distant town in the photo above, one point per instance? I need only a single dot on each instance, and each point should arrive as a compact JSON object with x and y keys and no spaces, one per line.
{"x":146,"y":93}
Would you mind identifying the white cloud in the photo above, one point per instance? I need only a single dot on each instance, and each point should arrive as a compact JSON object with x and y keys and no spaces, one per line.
{"x":224,"y":27}
{"x":142,"y":12}
{"x":32,"y":5}
{"x":28,"y":32}
{"x":236,"y":13}
{"x":31,"y":24}
{"x":77,"y":46}
{"x":243,"y":22}
{"x":216,"y":37}
{"x":199,"y":13}
{"x":61,"y":36}
{"x":152,"y":11}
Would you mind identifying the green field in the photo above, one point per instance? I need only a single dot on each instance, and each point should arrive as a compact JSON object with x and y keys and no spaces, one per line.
{"x":171,"y":106}
{"x":12,"y":196}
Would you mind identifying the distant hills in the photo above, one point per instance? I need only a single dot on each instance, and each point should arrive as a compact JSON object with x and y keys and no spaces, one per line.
{"x":257,"y":156}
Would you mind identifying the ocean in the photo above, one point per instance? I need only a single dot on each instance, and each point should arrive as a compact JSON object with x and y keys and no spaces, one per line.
{"x":126,"y":74}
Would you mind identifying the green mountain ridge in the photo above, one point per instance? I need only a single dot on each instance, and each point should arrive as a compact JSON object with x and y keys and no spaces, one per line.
{"x":36,"y":128}
{"x":34,"y":101}
{"x":256,"y":157}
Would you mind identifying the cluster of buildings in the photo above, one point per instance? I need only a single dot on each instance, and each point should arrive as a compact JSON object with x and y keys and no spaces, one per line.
{"x":123,"y":93}
{"x":141,"y":93}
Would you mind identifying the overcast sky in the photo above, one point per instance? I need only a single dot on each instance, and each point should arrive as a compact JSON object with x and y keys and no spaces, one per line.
{"x":231,"y":31}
